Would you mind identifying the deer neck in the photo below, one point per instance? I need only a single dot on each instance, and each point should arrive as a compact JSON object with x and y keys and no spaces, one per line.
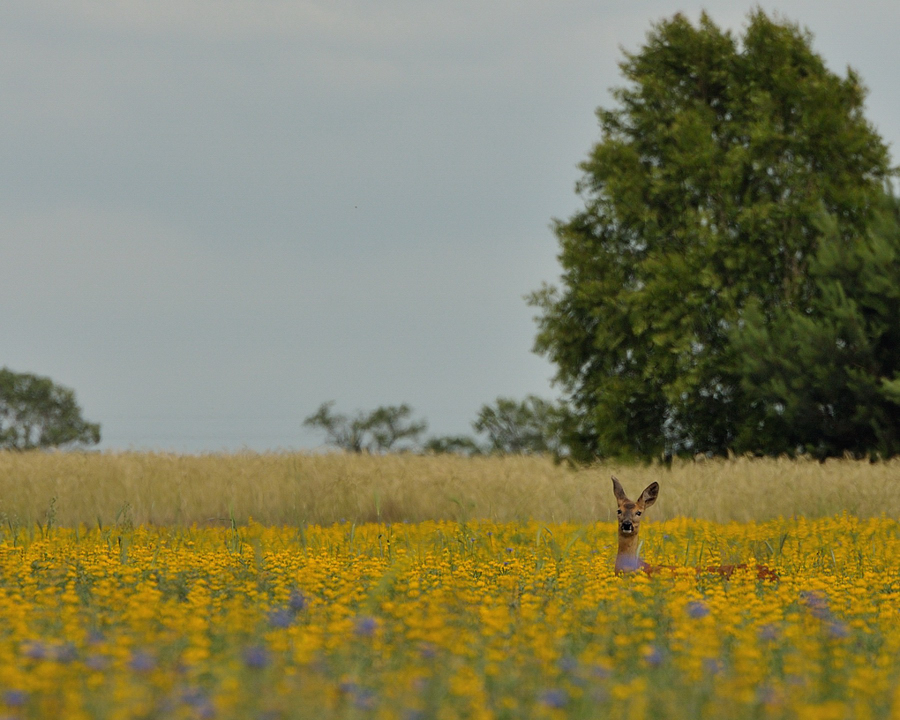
{"x":627,"y":558}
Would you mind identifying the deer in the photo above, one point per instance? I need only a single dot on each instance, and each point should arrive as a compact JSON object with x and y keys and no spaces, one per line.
{"x":630,"y":514}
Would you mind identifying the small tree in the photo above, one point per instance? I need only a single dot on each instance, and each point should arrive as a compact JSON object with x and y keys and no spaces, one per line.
{"x":530,"y":427}
{"x":340,"y":431}
{"x":392,"y":424}
{"x":453,"y":445}
{"x":36,"y":413}
{"x":378,"y":431}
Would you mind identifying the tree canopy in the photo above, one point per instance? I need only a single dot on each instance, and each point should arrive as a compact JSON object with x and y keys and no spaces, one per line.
{"x":37,"y":413}
{"x":381,"y":430}
{"x":528,"y":427}
{"x":705,"y":203}
{"x":824,"y":375}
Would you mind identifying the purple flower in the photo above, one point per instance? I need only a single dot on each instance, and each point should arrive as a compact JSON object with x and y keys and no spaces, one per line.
{"x":365,"y":626}
{"x":816,"y":603}
{"x":256,"y":657}
{"x":97,"y":662}
{"x":281,"y":618}
{"x":768,"y":632}
{"x":555,"y":698}
{"x":697,"y":609}
{"x":15,"y":698}
{"x":35,"y":650}
{"x":628,"y":563}
{"x":142,"y":661}
{"x":362,"y":697}
{"x":297,"y":602}
{"x":838,"y":630}
{"x":197,"y":699}
{"x":653,"y":657}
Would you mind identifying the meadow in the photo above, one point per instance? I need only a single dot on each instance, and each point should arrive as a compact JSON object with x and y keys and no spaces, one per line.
{"x":144,"y":590}
{"x":299,"y":489}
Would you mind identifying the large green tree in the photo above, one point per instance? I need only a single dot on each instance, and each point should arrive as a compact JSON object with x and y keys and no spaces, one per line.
{"x":825,"y":373}
{"x":37,"y":413}
{"x":700,"y":198}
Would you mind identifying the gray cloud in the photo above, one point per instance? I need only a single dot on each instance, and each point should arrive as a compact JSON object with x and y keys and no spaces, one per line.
{"x":216,"y":215}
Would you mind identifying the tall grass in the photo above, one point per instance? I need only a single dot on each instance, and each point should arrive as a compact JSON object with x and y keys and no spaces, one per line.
{"x":291,"y":488}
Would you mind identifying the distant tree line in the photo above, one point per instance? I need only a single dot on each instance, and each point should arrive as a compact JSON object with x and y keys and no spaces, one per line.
{"x":529,"y":427}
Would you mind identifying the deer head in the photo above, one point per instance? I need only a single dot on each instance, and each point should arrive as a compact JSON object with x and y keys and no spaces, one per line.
{"x":630,"y":514}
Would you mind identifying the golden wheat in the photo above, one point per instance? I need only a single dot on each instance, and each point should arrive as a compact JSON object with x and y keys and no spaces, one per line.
{"x":293,"y":488}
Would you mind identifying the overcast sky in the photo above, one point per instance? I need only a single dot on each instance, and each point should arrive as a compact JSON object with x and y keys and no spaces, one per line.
{"x":217,"y":214}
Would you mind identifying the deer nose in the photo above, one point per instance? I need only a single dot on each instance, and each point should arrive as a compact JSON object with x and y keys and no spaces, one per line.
{"x":627,"y":526}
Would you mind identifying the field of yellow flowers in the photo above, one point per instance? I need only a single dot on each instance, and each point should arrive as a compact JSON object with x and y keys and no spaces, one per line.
{"x":448,"y":620}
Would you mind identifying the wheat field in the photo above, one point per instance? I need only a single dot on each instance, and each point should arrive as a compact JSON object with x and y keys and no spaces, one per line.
{"x":68,"y":489}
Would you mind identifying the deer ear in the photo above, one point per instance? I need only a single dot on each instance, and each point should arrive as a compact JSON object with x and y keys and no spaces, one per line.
{"x":619,"y":490}
{"x":648,"y":497}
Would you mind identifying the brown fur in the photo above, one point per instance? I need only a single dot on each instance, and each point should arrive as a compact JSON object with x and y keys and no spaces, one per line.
{"x":630,"y":515}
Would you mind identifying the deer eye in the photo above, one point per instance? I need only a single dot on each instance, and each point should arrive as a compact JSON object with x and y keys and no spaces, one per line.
{"x":619,"y":512}
{"x":638,"y":513}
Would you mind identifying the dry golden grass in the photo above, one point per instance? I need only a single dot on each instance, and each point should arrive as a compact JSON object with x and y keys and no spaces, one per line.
{"x":294,"y":488}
